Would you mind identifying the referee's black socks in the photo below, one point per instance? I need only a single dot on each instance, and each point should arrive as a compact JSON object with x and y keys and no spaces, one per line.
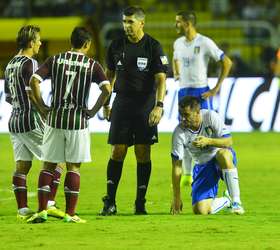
{"x":143,"y":177}
{"x":114,"y":172}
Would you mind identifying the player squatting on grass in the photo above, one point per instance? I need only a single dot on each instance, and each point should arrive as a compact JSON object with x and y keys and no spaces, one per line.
{"x":204,"y":136}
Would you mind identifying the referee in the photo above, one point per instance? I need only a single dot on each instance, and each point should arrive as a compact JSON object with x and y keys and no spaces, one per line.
{"x":136,"y":66}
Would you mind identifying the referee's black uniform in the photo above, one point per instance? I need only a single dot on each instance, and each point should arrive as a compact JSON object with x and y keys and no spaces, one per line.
{"x":135,"y":65}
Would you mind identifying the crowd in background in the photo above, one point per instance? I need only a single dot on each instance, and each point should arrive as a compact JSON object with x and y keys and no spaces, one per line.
{"x":99,"y":12}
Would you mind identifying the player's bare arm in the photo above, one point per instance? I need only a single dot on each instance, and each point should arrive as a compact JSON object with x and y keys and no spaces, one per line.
{"x":156,"y":113}
{"x":177,"y":204}
{"x":111,"y":75}
{"x":105,"y":93}
{"x":175,"y":66}
{"x":201,"y":142}
{"x":36,"y":98}
{"x":226,"y":64}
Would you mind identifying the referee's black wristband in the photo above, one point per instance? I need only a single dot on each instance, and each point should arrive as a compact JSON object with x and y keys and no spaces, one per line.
{"x":159,"y":104}
{"x":107,"y":103}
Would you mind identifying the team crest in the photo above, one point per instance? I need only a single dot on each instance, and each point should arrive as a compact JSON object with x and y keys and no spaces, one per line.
{"x":164,"y":60}
{"x":142,"y":63}
{"x":209,"y":131}
{"x":196,"y":49}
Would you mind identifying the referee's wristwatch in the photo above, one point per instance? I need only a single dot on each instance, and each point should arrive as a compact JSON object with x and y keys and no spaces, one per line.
{"x":159,"y":104}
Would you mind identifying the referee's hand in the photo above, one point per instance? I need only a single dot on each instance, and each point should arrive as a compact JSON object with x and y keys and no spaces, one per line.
{"x":155,"y":116}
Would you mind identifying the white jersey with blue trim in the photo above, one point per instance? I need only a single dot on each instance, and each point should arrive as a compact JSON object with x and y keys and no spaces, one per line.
{"x":193,"y":58}
{"x":212,"y":126}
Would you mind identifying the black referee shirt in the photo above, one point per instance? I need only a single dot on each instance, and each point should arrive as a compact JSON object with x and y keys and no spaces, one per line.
{"x":136,"y":64}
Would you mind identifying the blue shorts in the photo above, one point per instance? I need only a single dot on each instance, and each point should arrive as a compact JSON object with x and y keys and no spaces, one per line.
{"x":206,"y":178}
{"x":197,"y":92}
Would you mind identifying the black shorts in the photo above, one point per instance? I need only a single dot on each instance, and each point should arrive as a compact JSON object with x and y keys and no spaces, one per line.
{"x":130,"y":121}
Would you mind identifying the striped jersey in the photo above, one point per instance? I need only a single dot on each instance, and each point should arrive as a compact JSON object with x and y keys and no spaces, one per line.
{"x":24,"y":117}
{"x":212,"y":126}
{"x":71,"y":75}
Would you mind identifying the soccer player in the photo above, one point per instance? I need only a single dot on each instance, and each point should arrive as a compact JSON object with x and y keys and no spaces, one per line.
{"x":137,"y":66}
{"x":192,"y":52}
{"x":25,"y":124}
{"x":204,"y":136}
{"x":66,"y":137}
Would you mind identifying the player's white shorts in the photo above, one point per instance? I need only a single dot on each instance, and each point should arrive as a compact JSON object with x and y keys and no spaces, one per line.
{"x":28,"y":144}
{"x":61,"y":145}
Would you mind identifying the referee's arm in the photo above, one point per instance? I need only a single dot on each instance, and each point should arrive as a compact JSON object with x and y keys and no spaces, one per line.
{"x":155,"y":115}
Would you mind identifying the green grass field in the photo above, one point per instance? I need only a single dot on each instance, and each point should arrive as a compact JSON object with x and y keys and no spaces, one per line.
{"x":259,"y":172}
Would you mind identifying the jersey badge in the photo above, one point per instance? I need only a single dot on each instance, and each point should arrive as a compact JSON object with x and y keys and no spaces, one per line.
{"x":119,"y":63}
{"x":164,"y":60}
{"x":142,"y":63}
{"x":196,"y":49}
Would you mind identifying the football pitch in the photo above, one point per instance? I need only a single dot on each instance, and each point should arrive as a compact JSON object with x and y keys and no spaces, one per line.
{"x":259,"y":228}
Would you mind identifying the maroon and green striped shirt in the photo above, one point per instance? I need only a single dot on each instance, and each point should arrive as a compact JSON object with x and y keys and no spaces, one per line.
{"x":24,"y":117}
{"x":71,"y":76}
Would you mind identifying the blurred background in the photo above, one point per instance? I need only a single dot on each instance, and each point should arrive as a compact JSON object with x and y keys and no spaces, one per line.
{"x":247,"y":30}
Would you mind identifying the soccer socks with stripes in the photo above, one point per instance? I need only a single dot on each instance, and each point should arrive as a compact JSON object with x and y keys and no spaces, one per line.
{"x":44,"y":188}
{"x":143,"y":177}
{"x":55,"y":183}
{"x":218,"y":204}
{"x":71,"y":190}
{"x":114,"y":172}
{"x":20,"y":189}
{"x":231,"y":180}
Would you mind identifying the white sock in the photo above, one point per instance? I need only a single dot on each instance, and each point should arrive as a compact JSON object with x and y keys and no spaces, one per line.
{"x":24,"y":210}
{"x":218,"y":204}
{"x":51,"y":203}
{"x":232,"y":183}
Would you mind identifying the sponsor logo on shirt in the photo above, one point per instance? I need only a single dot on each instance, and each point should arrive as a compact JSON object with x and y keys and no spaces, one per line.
{"x":196,"y":49}
{"x":142,"y":63}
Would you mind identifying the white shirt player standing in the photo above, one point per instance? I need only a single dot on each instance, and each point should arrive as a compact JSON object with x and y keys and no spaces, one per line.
{"x":204,"y":136}
{"x":192,"y":53}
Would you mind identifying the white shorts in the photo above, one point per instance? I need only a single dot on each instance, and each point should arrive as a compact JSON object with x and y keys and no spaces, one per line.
{"x":28,"y":144}
{"x":61,"y":145}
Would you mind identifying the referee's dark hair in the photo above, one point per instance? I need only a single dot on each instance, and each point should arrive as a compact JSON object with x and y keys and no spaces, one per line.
{"x":25,"y":35}
{"x":79,"y":37}
{"x":188,"y":16}
{"x":134,"y":10}
{"x":189,"y":101}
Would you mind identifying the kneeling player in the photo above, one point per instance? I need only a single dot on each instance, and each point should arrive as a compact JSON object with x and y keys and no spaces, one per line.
{"x":203,"y":135}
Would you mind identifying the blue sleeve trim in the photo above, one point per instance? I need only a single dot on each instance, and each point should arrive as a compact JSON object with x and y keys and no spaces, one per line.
{"x":222,"y":56}
{"x":175,"y":157}
{"x":226,"y":135}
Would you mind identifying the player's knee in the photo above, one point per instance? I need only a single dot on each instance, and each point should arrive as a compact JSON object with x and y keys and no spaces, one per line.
{"x":118,"y":153}
{"x":49,"y":166}
{"x":142,"y":153}
{"x":223,"y":155}
{"x":23,"y":167}
{"x":201,"y":209}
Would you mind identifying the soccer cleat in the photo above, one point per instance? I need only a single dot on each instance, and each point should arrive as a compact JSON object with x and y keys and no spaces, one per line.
{"x":73,"y":219}
{"x":140,"y":207}
{"x":39,"y":217}
{"x":54,"y":211}
{"x":186,"y":181}
{"x":24,"y":214}
{"x":109,"y":207}
{"x":236,"y":208}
